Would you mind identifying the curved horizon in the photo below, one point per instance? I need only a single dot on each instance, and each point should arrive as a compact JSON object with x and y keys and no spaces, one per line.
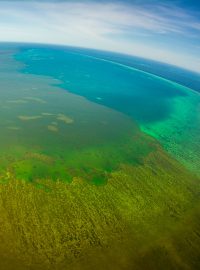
{"x":108,"y":51}
{"x":167,"y":32}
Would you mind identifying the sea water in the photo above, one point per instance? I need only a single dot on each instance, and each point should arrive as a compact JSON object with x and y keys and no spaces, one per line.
{"x":69,"y":119}
{"x":162,"y":107}
{"x":48,"y":132}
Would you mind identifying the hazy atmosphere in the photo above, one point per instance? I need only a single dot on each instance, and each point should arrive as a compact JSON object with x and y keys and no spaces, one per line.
{"x":167,"y":31}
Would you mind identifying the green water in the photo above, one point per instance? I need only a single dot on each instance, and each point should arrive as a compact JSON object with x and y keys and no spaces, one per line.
{"x":142,"y":212}
{"x":179,"y":134}
{"x":47,"y":132}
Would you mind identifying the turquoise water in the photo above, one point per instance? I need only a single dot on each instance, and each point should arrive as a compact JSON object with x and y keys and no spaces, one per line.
{"x":162,"y":108}
{"x":50,"y":133}
{"x":126,"y":90}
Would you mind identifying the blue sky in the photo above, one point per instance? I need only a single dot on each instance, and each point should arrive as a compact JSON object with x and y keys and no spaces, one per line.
{"x":167,"y":31}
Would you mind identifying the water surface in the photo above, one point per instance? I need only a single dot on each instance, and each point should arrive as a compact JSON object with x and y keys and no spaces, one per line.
{"x":162,"y":108}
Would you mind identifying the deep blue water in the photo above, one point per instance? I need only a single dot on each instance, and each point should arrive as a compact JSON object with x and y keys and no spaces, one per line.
{"x":133,"y":92}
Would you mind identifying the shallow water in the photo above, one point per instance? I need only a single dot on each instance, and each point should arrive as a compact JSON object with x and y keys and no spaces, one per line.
{"x":164,"y":109}
{"x":142,"y":212}
{"x":47,"y":132}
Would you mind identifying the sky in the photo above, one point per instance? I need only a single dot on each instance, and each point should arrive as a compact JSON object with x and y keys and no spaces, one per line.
{"x":166,"y":31}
